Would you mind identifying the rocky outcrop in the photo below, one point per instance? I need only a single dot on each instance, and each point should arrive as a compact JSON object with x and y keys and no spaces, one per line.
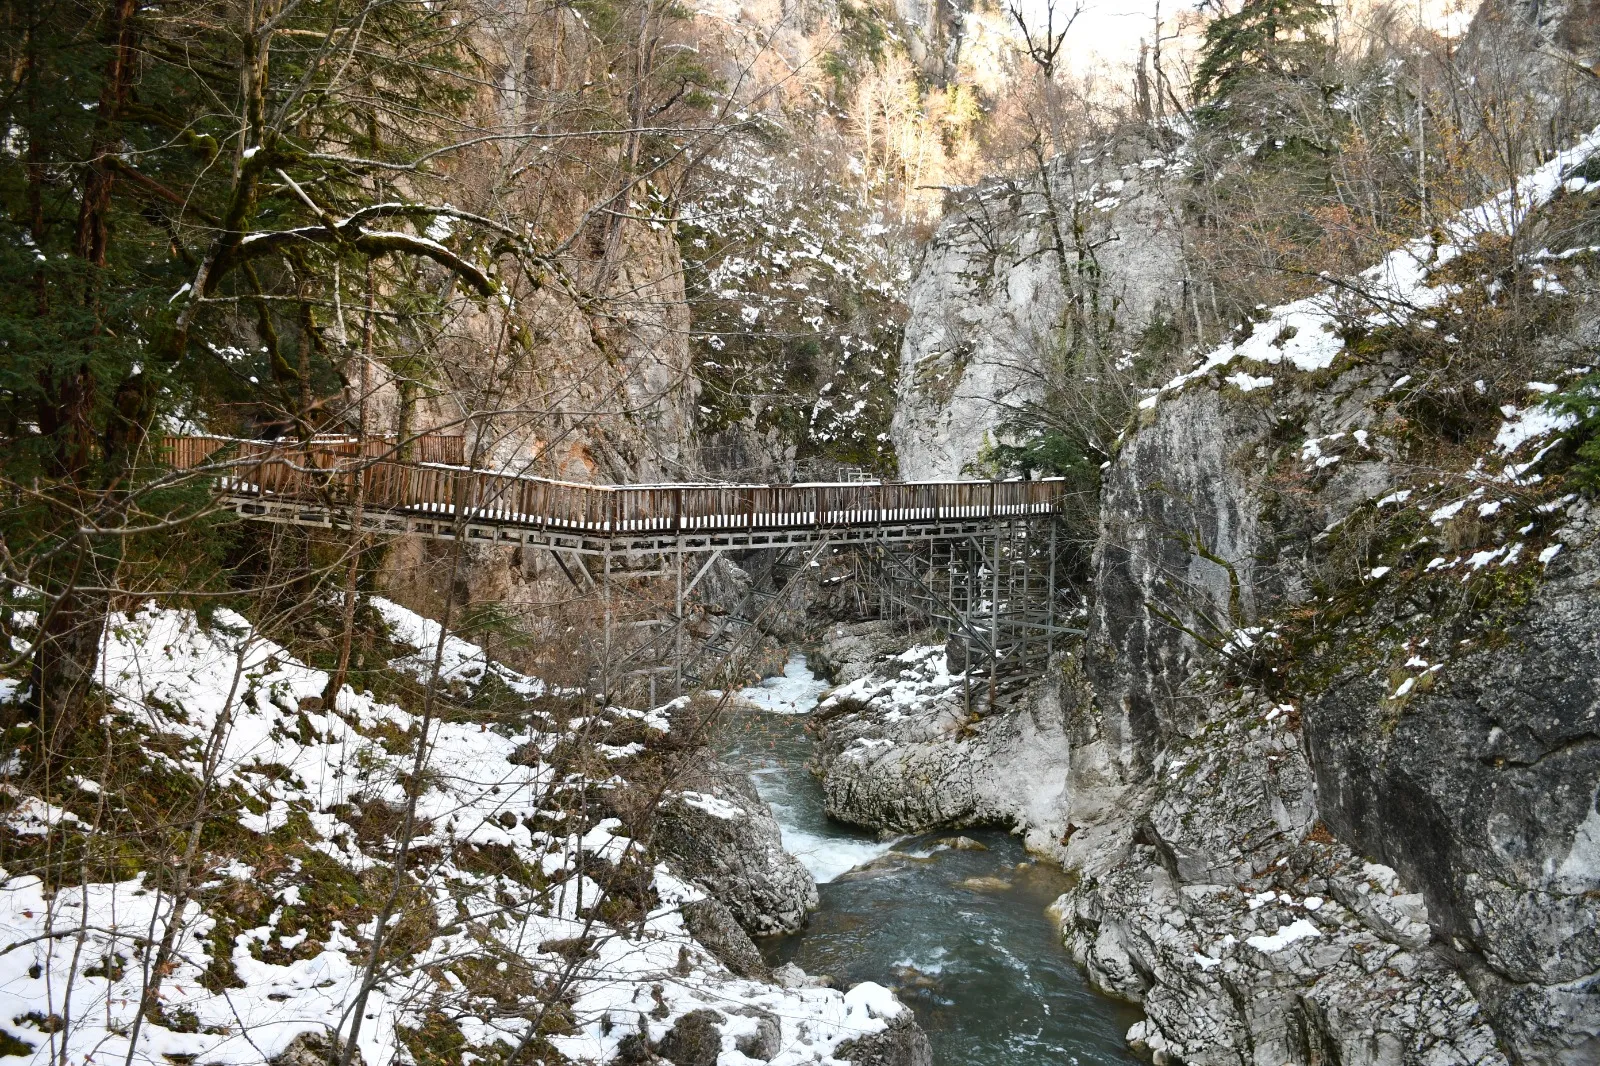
{"x":1541,"y":54}
{"x":988,"y":304}
{"x":719,"y":832}
{"x":849,"y":651}
{"x":1482,"y":791}
{"x":899,"y":749}
{"x":1249,"y":935}
{"x":1450,"y":740}
{"x":713,"y":925}
{"x":1211,"y":518}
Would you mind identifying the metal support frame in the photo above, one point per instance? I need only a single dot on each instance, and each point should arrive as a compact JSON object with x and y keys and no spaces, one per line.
{"x":992,"y":591}
{"x":677,"y":619}
{"x":605,"y":663}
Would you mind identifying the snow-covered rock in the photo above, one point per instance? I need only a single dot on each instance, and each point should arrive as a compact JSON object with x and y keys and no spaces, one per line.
{"x":720,"y":832}
{"x":1426,"y":625}
{"x":900,"y":750}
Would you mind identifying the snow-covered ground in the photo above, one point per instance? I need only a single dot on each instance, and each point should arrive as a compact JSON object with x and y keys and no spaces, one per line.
{"x":72,"y":973}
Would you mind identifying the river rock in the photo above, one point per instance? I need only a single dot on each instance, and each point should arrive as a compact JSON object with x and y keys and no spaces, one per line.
{"x":986,"y":884}
{"x":720,"y":833}
{"x":791,"y":976}
{"x":848,"y":651}
{"x":902,"y":1043}
{"x":899,"y":751}
{"x":714,"y":926}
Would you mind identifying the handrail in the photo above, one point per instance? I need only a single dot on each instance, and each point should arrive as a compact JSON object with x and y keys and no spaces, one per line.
{"x":324,"y":471}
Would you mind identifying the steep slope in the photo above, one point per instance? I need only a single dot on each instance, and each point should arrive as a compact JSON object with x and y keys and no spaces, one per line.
{"x":525,"y":919}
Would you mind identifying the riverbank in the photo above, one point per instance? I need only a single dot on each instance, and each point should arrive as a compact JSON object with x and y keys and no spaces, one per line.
{"x":957,"y":925}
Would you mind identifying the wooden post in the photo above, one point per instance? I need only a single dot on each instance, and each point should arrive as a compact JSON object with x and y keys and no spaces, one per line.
{"x":605,"y":596}
{"x":677,"y":653}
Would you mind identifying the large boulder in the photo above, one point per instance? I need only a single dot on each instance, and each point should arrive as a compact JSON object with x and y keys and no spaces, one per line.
{"x":720,"y":833}
{"x":900,"y":1043}
{"x":714,"y":927}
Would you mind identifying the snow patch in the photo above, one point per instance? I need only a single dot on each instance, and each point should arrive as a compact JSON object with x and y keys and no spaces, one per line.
{"x":1299,"y":929}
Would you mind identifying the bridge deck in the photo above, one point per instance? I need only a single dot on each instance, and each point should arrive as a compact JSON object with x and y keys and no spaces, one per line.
{"x":319,"y":483}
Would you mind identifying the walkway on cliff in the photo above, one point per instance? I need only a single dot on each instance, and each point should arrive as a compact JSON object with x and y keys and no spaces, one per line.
{"x":976,"y":559}
{"x":326,"y":481}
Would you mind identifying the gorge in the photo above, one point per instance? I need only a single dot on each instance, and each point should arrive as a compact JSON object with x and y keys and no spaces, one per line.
{"x":1295,"y":313}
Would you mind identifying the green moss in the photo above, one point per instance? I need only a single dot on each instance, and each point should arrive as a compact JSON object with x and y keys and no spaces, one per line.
{"x":436,"y":1042}
{"x":13,"y":1045}
{"x":1354,"y":624}
{"x":220,"y":973}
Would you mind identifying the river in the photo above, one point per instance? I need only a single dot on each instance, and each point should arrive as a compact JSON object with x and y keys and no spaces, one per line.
{"x":955,"y":923}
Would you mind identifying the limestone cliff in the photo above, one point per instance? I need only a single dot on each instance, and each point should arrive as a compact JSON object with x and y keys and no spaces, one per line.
{"x":1440,"y":731}
{"x":996,"y":286}
{"x":1329,"y":774}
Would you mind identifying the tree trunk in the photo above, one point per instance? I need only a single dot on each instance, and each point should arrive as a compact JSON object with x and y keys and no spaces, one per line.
{"x":357,"y":544}
{"x":67,"y":651}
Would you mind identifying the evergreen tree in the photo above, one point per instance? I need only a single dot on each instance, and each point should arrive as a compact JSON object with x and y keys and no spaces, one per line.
{"x":179,"y":189}
{"x":1263,"y":40}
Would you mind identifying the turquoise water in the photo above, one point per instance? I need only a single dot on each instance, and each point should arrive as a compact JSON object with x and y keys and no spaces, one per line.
{"x":961,"y":934}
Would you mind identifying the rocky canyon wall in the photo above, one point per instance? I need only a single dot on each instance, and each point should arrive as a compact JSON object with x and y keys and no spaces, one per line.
{"x":1326,"y":759}
{"x":992,"y":294}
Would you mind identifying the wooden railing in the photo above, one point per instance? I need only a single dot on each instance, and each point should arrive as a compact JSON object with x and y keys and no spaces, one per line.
{"x":332,"y":471}
{"x":184,"y":453}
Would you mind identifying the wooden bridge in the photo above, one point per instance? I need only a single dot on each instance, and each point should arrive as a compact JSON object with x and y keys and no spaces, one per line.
{"x":975,"y":558}
{"x":320,"y":483}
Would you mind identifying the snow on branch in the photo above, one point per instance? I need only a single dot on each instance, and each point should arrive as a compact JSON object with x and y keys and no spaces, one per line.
{"x":371,"y":242}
